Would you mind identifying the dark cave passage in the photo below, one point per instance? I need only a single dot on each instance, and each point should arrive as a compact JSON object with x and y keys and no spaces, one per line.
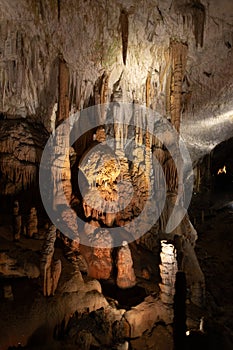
{"x":126,"y":298}
{"x":222,"y":166}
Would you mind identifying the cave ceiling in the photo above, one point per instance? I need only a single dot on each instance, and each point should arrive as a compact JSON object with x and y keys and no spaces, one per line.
{"x":96,"y":37}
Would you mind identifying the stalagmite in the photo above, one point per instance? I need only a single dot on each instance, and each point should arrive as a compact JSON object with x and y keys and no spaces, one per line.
{"x":17,"y":221}
{"x":99,"y":259}
{"x":60,"y":160}
{"x":125,"y":273}
{"x":50,"y":269}
{"x":189,"y":264}
{"x":32,"y":223}
{"x":168,"y":270}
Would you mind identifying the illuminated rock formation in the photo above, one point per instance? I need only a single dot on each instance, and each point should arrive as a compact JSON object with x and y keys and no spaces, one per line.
{"x":168,"y":270}
{"x":125,"y":273}
{"x":99,"y":258}
{"x":61,"y":57}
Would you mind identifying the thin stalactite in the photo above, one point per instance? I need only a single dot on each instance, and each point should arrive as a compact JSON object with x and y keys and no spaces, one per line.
{"x":148,"y":89}
{"x":124,"y":23}
{"x":198,"y":16}
{"x":58,"y":10}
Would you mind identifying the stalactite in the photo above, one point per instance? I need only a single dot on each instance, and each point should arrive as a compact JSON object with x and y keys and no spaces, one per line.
{"x":124,"y":23}
{"x":58,"y":9}
{"x":104,"y":88}
{"x":148,"y":89}
{"x":198,"y":17}
{"x":178,"y":63}
{"x":63,"y":92}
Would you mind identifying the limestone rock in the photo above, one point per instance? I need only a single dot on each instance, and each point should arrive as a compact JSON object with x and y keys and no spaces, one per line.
{"x":160,"y":336}
{"x":125,"y":273}
{"x":168,"y":270}
{"x":18,"y":263}
{"x":21,"y":145}
{"x":50,"y":270}
{"x":98,"y":258}
{"x":144,"y":316}
{"x":17,"y":221}
{"x":32,"y":225}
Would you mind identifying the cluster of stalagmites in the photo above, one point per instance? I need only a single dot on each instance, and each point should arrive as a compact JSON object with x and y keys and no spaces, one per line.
{"x":99,"y":258}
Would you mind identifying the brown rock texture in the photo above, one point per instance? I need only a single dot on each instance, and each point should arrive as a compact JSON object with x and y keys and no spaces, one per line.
{"x":98,"y":257}
{"x":50,"y":269}
{"x":32,"y":224}
{"x":125,"y":273}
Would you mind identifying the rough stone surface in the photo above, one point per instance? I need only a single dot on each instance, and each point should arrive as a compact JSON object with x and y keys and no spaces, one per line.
{"x":29,"y":87}
{"x":32,"y":223}
{"x":125,"y":273}
{"x":144,"y":316}
{"x":18,"y":263}
{"x":50,"y":269}
{"x":98,"y":257}
{"x":168,"y":269}
{"x":21,"y":145}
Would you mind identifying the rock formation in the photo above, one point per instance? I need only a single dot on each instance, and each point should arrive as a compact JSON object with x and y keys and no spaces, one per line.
{"x":21,"y":145}
{"x":62,"y":57}
{"x":125,"y":273}
{"x":50,"y":269}
{"x":17,"y":221}
{"x":99,"y":255}
{"x":168,"y":270}
{"x":32,"y":223}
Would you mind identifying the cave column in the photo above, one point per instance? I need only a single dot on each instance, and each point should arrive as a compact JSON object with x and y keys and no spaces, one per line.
{"x":178,"y":63}
{"x":61,"y":163}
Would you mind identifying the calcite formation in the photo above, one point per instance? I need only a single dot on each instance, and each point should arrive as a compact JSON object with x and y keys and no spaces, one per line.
{"x":17,"y":221}
{"x":58,"y":58}
{"x":99,"y":256}
{"x":125,"y":272}
{"x":168,"y":270}
{"x":32,"y":224}
{"x":21,"y":145}
{"x":50,"y":269}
